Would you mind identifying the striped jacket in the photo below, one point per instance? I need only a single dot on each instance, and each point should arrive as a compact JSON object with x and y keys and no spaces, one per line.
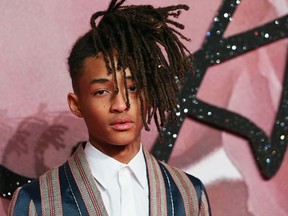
{"x":70,"y":189}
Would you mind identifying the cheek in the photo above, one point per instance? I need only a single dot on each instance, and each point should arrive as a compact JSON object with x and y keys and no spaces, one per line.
{"x":145,"y":108}
{"x":94,"y":113}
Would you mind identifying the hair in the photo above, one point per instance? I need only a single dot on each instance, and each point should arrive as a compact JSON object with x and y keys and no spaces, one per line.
{"x":146,"y":41}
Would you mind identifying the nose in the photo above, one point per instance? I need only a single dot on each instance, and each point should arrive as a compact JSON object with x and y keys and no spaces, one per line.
{"x":119,"y":102}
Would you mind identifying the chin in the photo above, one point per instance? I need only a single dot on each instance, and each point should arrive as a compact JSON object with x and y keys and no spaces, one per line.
{"x":124,"y":142}
{"x":117,"y":138}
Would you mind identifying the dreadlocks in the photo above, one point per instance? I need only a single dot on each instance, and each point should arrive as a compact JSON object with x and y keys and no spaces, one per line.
{"x":145,"y":40}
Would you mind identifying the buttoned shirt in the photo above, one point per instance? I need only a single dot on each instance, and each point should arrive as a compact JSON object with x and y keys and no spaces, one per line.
{"x":123,"y":187}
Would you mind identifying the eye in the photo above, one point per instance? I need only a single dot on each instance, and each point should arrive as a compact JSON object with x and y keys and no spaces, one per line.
{"x":132,"y":88}
{"x":100,"y":92}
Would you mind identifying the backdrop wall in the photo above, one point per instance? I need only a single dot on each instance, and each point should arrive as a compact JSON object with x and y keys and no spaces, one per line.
{"x":238,"y":70}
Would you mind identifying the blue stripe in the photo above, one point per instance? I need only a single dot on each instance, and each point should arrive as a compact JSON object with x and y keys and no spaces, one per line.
{"x":22,"y":204}
{"x":28,"y":192}
{"x":71,"y":196}
{"x":175,"y":205}
{"x":198,"y":187}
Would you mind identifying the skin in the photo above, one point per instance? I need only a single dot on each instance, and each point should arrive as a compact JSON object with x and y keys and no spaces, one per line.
{"x":113,"y":128}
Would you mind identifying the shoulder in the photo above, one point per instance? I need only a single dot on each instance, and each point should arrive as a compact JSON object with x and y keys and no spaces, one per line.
{"x":183,"y":179}
{"x":22,"y":200}
{"x":177,"y":173}
{"x":191,"y":188}
{"x":27,"y":191}
{"x":32,"y":189}
{"x":27,"y":199}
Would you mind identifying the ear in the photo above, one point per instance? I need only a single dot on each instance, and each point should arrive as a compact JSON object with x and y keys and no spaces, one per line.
{"x":73,"y":103}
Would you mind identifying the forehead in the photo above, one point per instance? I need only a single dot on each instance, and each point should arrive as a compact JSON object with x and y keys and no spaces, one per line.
{"x":96,"y":66}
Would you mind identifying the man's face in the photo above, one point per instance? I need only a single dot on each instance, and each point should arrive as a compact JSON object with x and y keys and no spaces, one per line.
{"x":108,"y":119}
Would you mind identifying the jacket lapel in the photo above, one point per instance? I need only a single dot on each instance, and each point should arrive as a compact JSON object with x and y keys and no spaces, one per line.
{"x":86,"y":185}
{"x":157,"y":190}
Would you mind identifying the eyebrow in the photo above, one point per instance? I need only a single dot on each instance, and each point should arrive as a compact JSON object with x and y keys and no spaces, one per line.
{"x":101,"y":80}
{"x":129,"y":78}
{"x":105,"y":80}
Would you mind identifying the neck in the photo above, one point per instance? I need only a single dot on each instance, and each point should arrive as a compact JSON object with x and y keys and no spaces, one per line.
{"x":121,"y":153}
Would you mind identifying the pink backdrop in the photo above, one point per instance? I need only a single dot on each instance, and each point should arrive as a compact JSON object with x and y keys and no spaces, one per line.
{"x":35,"y":39}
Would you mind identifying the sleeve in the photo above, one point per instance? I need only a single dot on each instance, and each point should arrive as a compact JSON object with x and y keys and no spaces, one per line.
{"x":202,"y":196}
{"x":21,"y":204}
{"x":204,"y":205}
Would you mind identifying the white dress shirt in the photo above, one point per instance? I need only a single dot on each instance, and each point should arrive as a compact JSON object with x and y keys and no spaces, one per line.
{"x":124,"y":187}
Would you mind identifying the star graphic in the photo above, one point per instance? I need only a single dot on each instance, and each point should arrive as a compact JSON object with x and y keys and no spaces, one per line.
{"x":268,"y":151}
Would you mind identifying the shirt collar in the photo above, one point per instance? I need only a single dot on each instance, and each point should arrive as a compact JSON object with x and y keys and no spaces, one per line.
{"x":105,"y":168}
{"x":138,"y":166}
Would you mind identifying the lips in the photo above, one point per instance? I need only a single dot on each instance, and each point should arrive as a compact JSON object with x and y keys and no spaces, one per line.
{"x":122,"y":124}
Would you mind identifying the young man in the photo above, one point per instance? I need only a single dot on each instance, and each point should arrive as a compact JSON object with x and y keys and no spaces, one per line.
{"x":124,"y":72}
